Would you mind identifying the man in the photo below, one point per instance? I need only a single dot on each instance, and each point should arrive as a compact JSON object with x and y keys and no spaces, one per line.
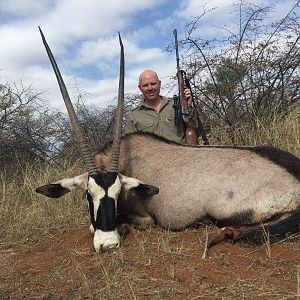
{"x":155,"y":113}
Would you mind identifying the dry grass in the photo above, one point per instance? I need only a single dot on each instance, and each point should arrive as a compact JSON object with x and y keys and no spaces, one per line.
{"x":281,"y":132}
{"x":28,"y":216}
{"x":152,"y":263}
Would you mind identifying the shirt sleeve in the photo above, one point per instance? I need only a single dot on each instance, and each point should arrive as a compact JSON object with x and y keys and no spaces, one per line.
{"x":130,"y":128}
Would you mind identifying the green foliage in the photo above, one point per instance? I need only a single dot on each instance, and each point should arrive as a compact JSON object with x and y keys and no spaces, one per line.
{"x":228,"y":75}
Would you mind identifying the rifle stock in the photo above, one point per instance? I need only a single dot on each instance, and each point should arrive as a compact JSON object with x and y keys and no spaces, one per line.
{"x":191,"y":133}
{"x":200,"y":129}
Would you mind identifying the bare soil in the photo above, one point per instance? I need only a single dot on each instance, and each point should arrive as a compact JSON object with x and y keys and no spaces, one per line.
{"x":150,"y":264}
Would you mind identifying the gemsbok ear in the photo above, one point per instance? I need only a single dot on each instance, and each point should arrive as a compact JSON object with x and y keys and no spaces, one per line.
{"x":145,"y":190}
{"x":52,"y":190}
{"x":63,"y":186}
{"x":138,"y":187}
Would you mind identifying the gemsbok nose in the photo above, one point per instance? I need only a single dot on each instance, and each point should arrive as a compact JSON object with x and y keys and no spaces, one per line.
{"x":107,"y":248}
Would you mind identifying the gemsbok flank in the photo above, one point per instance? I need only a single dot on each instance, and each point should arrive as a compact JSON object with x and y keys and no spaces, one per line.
{"x":102,"y":188}
{"x":251,"y":190}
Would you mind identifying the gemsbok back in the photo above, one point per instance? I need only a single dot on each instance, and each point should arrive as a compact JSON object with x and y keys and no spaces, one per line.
{"x":102,"y":188}
{"x":250,"y":190}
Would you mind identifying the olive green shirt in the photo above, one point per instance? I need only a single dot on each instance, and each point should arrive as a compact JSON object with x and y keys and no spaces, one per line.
{"x":162,"y":123}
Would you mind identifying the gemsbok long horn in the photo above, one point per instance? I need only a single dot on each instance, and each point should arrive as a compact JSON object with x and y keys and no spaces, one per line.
{"x":82,"y":142}
{"x":115,"y":155}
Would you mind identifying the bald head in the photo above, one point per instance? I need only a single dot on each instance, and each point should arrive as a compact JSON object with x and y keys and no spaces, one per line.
{"x":148,"y":74}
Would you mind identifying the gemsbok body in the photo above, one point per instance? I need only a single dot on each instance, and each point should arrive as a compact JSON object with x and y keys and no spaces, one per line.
{"x":237,"y":186}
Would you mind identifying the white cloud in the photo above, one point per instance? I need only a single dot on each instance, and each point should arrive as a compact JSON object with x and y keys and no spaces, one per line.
{"x":20,"y":47}
{"x":102,"y":48}
{"x":24,"y":8}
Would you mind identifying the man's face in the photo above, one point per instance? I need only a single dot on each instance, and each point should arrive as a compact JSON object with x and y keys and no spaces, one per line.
{"x":149,"y":86}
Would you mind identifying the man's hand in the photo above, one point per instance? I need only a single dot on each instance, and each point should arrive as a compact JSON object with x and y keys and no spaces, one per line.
{"x":188,"y":96}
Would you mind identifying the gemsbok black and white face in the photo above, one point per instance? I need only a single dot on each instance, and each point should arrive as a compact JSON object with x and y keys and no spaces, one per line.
{"x":102,"y":188}
{"x":102,"y":194}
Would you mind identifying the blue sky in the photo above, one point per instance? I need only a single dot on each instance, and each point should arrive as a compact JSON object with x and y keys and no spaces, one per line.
{"x":83,"y":37}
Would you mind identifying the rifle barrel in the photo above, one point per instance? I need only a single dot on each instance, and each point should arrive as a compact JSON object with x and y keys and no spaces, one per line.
{"x":179,"y":73}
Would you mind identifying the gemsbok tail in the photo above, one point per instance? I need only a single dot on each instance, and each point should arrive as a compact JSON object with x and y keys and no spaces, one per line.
{"x":275,"y":231}
{"x":260,"y":234}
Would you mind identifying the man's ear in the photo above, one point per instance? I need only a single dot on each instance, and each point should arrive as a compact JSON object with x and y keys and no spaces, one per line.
{"x":138,"y":187}
{"x":63,"y":186}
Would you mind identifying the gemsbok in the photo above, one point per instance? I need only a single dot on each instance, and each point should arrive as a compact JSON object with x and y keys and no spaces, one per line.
{"x":102,"y":188}
{"x":249,"y":190}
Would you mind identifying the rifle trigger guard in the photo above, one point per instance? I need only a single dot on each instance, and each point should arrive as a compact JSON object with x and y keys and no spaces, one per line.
{"x":186,"y":114}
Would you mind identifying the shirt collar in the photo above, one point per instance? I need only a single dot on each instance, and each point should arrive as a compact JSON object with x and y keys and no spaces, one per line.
{"x":165,"y":101}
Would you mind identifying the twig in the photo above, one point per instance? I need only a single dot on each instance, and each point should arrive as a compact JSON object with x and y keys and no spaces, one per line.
{"x":298,"y":282}
{"x":206,"y":244}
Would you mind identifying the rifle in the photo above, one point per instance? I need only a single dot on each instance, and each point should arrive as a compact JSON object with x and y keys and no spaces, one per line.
{"x":183,"y":114}
{"x":182,"y":111}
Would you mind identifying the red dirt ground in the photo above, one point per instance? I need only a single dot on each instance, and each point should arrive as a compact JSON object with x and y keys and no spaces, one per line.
{"x":150,"y":264}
